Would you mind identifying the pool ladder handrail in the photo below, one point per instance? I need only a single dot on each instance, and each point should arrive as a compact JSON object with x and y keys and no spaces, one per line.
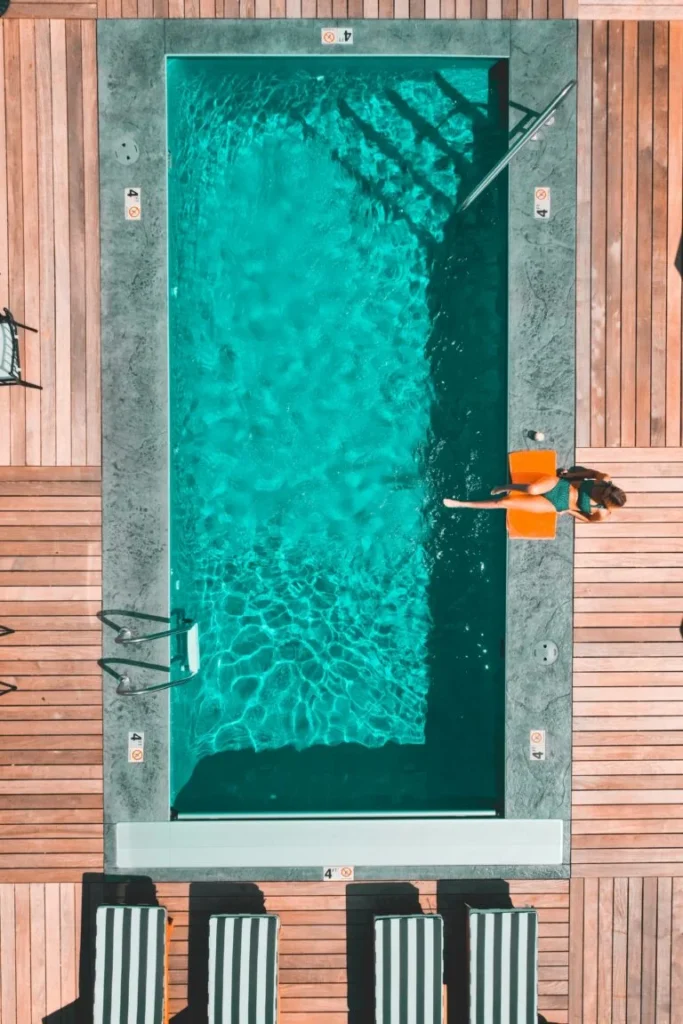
{"x":187,"y":628}
{"x":533,"y":128}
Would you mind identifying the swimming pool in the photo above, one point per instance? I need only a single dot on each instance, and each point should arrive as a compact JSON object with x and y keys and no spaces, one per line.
{"x":338,"y":347}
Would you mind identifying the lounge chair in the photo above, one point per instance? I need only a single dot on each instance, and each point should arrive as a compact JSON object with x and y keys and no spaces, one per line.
{"x":409,"y":969}
{"x":503,"y":966}
{"x":243,"y":968}
{"x":525,"y":467}
{"x":130,"y":965}
{"x":10,"y":366}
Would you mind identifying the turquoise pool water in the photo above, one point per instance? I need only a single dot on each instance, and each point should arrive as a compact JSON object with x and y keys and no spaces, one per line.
{"x":337,"y":363}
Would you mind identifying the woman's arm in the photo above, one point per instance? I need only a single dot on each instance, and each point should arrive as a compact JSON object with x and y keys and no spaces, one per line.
{"x":596,"y":516}
{"x":581,"y":473}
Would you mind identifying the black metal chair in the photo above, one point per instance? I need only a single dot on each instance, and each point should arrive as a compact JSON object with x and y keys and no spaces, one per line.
{"x":10,"y":366}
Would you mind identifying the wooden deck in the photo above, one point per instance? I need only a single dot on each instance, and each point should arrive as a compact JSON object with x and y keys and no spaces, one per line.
{"x":628,"y":681}
{"x":612,"y":943}
{"x":591,"y":10}
{"x":626,"y":951}
{"x":51,"y":719}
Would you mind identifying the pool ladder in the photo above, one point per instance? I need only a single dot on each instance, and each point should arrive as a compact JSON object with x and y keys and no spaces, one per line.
{"x":187,"y":634}
{"x":530,"y":132}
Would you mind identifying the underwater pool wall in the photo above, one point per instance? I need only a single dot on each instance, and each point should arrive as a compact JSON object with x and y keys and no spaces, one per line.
{"x":534,"y":835}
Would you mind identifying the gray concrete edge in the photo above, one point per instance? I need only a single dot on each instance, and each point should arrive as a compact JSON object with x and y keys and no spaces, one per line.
{"x":131,"y":58}
{"x":541,"y":396}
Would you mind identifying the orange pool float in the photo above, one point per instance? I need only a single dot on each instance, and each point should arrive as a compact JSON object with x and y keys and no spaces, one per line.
{"x":525,"y":467}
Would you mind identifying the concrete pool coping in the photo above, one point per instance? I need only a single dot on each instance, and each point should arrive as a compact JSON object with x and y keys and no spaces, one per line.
{"x":541,"y":275}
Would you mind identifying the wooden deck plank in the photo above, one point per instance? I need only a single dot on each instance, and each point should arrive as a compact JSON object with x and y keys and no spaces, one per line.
{"x":620,"y":951}
{"x":53,"y":983}
{"x":629,"y":243}
{"x":648,"y":456}
{"x":69,"y":972}
{"x":22,"y":964}
{"x":659,"y":232}
{"x":576,"y":945}
{"x":29,"y":162}
{"x":605,"y":948}
{"x":662,"y":1013}
{"x":38,"y":981}
{"x":634,"y":954}
{"x":675,"y":220}
{"x":677,"y":948}
{"x":4,"y":252}
{"x":613,"y":242}
{"x":598,"y":231}
{"x":583,"y":236}
{"x":590,"y":952}
{"x":644,"y":227}
{"x":92,"y":248}
{"x":15,"y":222}
{"x":60,"y":130}
{"x":48,"y":451}
{"x":649,"y":952}
{"x":640,"y":11}
{"x":49,"y":9}
{"x":77,"y":231}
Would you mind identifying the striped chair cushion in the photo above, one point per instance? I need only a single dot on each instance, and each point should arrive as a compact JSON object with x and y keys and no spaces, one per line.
{"x":8,"y":365}
{"x":503,"y":966}
{"x":130,"y":950}
{"x":409,"y":969}
{"x":243,"y":968}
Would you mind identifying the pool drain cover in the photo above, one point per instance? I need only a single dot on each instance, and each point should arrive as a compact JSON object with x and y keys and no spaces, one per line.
{"x":546,"y":652}
{"x":126,"y":150}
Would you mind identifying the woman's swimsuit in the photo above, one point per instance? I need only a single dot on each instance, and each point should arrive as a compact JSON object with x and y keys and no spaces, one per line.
{"x":559,"y":495}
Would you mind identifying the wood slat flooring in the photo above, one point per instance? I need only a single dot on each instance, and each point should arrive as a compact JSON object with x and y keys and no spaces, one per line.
{"x":628,"y":676}
{"x":49,"y":239}
{"x":590,"y":10}
{"x":50,"y":682}
{"x":630,"y":231}
{"x":626,"y":950}
{"x":420,"y":9}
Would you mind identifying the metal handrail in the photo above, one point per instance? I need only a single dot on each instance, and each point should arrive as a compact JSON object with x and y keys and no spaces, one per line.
{"x":124,"y":636}
{"x":125,"y":686}
{"x":521,"y":141}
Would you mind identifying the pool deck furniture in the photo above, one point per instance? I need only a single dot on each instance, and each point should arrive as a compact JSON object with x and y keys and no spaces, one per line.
{"x":130,"y":965}
{"x":503,"y":966}
{"x":409,"y":969}
{"x":10,"y":362}
{"x":243,"y":968}
{"x":611,"y":937}
{"x":525,"y":467}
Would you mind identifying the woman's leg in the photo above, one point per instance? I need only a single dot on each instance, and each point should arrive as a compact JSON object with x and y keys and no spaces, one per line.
{"x":540,"y":486}
{"x":454,"y":503}
{"x":523,"y":502}
{"x":543,"y":484}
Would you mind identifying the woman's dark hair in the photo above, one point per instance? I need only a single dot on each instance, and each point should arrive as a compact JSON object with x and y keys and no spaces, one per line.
{"x":612,"y":496}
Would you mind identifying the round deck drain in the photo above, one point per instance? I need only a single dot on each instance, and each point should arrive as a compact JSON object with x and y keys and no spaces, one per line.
{"x":546,"y":652}
{"x":126,"y":150}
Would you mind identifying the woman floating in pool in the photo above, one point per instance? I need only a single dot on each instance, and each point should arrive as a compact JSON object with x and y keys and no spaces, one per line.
{"x":586,"y":494}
